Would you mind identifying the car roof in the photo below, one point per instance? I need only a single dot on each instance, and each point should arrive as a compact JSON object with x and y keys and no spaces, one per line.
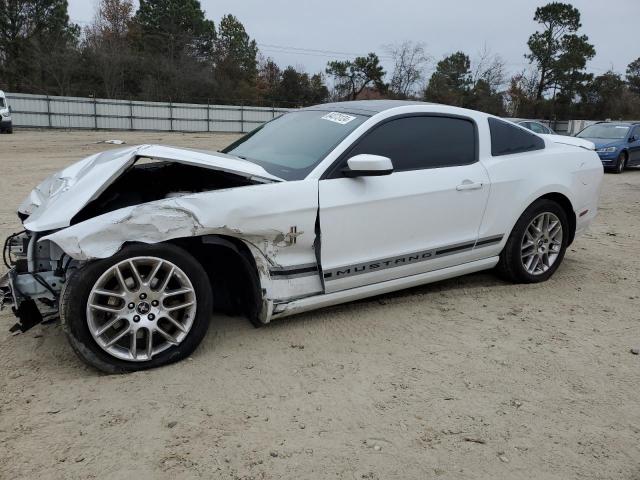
{"x":525,"y":120}
{"x":621,"y":124}
{"x":365,"y":107}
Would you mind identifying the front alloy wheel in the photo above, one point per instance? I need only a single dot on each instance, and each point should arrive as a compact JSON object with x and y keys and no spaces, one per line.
{"x":146,"y":306}
{"x":140,"y":307}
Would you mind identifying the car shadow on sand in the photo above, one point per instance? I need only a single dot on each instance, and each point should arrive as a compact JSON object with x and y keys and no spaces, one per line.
{"x":226,"y":332}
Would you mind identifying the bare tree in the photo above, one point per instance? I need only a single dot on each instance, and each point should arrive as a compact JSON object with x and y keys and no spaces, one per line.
{"x":107,"y":39}
{"x":489,"y":68}
{"x":521,"y":95}
{"x":410,"y":61}
{"x":59,"y":61}
{"x":113,"y":17}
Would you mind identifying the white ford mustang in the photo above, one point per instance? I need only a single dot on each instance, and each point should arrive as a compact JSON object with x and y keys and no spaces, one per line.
{"x":134,"y":248}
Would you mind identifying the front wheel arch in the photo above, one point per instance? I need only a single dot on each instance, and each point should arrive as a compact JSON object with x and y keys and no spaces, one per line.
{"x":233,"y":274}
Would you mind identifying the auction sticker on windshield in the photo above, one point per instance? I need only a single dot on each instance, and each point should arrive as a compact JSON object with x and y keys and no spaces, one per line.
{"x":341,"y":118}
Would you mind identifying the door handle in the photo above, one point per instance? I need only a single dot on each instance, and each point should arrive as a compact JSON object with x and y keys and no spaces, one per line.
{"x":468,"y":185}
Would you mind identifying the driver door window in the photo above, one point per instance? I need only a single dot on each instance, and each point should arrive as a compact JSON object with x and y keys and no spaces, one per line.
{"x":415,"y":143}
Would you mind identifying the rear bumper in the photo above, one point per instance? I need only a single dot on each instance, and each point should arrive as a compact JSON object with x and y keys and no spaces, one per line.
{"x":583,"y":222}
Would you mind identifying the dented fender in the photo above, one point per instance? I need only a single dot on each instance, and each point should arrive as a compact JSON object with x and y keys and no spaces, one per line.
{"x":263,"y":215}
{"x":278,"y":232}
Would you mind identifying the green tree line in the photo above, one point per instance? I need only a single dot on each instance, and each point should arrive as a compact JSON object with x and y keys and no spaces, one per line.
{"x":169,"y":49}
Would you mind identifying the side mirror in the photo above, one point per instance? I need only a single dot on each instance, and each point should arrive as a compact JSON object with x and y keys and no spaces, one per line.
{"x":9,"y":108}
{"x":632,"y":138}
{"x":368,"y":166}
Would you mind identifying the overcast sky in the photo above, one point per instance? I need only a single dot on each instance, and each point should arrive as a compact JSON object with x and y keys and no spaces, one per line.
{"x":293,"y":32}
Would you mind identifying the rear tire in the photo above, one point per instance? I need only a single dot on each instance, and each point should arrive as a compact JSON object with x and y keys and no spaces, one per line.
{"x":531,"y":256}
{"x":158,"y":309}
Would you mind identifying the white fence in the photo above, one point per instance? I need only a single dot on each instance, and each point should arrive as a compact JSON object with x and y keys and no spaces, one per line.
{"x":43,"y":111}
{"x":94,"y":113}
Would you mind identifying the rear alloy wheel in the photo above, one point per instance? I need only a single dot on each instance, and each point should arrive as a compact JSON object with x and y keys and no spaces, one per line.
{"x":145,"y":307}
{"x":541,"y":243}
{"x":621,"y":163}
{"x":537,"y":244}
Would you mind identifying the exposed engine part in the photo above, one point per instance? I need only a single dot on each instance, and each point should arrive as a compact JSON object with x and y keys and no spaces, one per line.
{"x":6,"y":297}
{"x":29,"y":316}
{"x":24,"y":253}
{"x":17,"y":245}
{"x":32,"y":285}
{"x":147,"y":181}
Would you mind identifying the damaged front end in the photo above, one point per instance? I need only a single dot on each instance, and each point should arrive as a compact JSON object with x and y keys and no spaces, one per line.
{"x":37,"y":273}
{"x":115,"y":180}
{"x":152,"y":194}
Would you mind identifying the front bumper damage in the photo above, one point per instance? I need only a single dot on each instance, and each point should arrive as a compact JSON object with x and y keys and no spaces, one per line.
{"x":32,"y":286}
{"x":6,"y":295}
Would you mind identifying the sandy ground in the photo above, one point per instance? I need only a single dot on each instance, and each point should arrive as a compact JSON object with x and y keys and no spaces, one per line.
{"x":469,"y":378}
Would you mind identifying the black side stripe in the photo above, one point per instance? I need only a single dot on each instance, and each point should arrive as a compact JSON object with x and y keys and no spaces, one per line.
{"x":298,"y":271}
{"x":483,"y":242}
{"x":294,"y":271}
{"x":457,"y":248}
{"x":408,"y":259}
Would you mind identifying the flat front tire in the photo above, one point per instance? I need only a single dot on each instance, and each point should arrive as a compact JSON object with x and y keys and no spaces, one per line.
{"x":147,"y":306}
{"x":537,"y":244}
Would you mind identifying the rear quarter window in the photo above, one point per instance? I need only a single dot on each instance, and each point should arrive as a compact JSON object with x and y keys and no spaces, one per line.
{"x":507,"y":139}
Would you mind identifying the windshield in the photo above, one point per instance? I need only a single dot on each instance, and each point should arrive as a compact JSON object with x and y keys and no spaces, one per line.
{"x":291,"y":146}
{"x":606,"y":131}
{"x":2,"y":104}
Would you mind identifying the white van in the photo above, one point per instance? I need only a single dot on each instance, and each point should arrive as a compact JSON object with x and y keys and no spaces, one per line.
{"x":5,"y":115}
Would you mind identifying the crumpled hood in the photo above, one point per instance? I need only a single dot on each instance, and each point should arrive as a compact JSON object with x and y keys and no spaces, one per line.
{"x":53,"y":203}
{"x":574,"y":141}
